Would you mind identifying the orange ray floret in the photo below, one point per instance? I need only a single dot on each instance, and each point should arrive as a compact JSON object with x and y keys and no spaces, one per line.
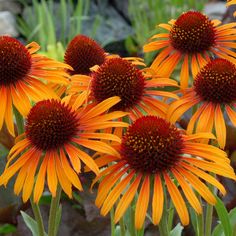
{"x":52,"y":146}
{"x":230,"y":3}
{"x":23,"y":78}
{"x":192,"y":40}
{"x":214,"y":95}
{"x":156,"y":153}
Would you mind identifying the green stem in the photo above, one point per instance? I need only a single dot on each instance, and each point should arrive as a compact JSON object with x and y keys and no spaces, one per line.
{"x":132,"y":220}
{"x":208,"y":223}
{"x":19,"y":122}
{"x":209,"y":211}
{"x":163,"y":227}
{"x":170,"y":216}
{"x":122,"y":227}
{"x":53,"y":211}
{"x":113,"y":227}
{"x":38,"y":217}
{"x":200,"y":221}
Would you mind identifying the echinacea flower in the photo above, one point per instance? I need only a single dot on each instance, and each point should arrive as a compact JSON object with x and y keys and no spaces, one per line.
{"x":56,"y":133}
{"x":192,"y":38}
{"x":82,"y":53}
{"x":213,"y":94}
{"x":138,"y":89}
{"x":230,"y":3}
{"x":21,"y":78}
{"x":155,"y":154}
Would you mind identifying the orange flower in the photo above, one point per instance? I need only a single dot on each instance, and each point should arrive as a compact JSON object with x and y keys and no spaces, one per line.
{"x":55,"y":131}
{"x":82,"y":53}
{"x":154,"y":153}
{"x":21,"y":72}
{"x":192,"y":37}
{"x":138,"y":89}
{"x":214,"y":91}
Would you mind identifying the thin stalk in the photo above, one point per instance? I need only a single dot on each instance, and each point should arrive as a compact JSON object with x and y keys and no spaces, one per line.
{"x":200,"y":222}
{"x":132,"y":220}
{"x":38,"y":217}
{"x":170,"y":216}
{"x":209,"y":212}
{"x":53,"y":211}
{"x":122,"y":227}
{"x":164,"y":222}
{"x":113,"y":227}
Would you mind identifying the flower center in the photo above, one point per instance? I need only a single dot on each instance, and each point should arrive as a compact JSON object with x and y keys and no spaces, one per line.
{"x":15,"y":60}
{"x":51,"y":124}
{"x":216,"y":82}
{"x":118,"y":77}
{"x":83,"y":53}
{"x":192,"y":32}
{"x":152,"y":145}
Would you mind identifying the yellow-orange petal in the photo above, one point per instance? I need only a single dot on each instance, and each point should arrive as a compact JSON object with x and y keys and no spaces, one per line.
{"x":63,"y":180}
{"x":71,"y":175}
{"x":199,"y":186}
{"x":142,"y":203}
{"x":51,"y":174}
{"x":106,"y":185}
{"x":188,"y":192}
{"x":29,"y":183}
{"x":115,"y":193}
{"x":73,"y":156}
{"x":101,"y":107}
{"x":157,"y":200}
{"x":177,"y":200}
{"x":184,"y":73}
{"x":127,"y":199}
{"x":220,"y":126}
{"x":231,"y":114}
{"x":206,"y":177}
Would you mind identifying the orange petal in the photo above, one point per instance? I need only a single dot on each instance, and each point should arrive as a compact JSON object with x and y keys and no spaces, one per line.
{"x":220,"y":126}
{"x":115,"y":193}
{"x":157,"y":200}
{"x":51,"y":174}
{"x":177,"y":200}
{"x":127,"y":198}
{"x":142,"y":203}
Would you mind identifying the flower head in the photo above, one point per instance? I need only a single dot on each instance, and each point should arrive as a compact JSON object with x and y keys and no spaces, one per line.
{"x":55,"y":131}
{"x":154,"y":151}
{"x":214,"y":91}
{"x":23,"y":75}
{"x":137,"y":88}
{"x":192,"y":37}
{"x":83,"y":53}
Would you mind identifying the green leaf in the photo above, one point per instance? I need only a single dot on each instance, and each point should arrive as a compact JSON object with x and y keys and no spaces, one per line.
{"x":218,"y":231}
{"x":177,"y":231}
{"x":226,"y":228}
{"x":7,"y":228}
{"x":31,"y":224}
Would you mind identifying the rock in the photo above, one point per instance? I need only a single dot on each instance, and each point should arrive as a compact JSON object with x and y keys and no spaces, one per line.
{"x":10,"y":5}
{"x":215,"y":10}
{"x":111,"y":28}
{"x":8,"y":24}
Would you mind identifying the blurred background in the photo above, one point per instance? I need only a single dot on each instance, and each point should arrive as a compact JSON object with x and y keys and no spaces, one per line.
{"x":120,"y":27}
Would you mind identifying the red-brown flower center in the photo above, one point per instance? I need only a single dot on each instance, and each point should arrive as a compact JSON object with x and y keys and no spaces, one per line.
{"x":118,"y":77}
{"x":15,"y":60}
{"x":51,"y":124}
{"x":216,"y":82}
{"x":152,"y":145}
{"x":83,"y":53}
{"x":192,"y":32}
